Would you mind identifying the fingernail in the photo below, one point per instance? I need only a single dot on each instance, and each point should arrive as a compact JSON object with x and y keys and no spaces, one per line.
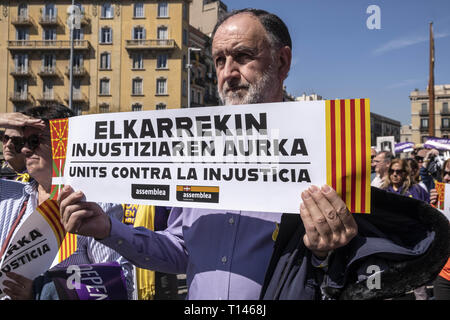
{"x":313,"y":189}
{"x":306,"y":195}
{"x":326,"y":188}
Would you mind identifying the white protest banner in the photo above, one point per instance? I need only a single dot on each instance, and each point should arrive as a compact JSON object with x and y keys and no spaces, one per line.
{"x":251,"y":157}
{"x":34,"y":245}
{"x":443,"y":203}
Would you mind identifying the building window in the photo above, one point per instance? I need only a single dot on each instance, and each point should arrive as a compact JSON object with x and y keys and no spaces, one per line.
{"x":105,"y":35}
{"x":20,"y":88}
{"x":105,"y":61}
{"x":107,"y":11}
{"x":424,"y":123}
{"x":185,"y":11}
{"x":77,"y":110}
{"x":162,"y":33}
{"x":162,"y":61}
{"x":138,"y":61}
{"x":78,"y":34}
{"x":138,"y":33}
{"x":22,"y":11}
{"x":48,"y":89}
{"x":48,"y":62}
{"x":445,"y":107}
{"x":138,"y":10}
{"x":160,"y":106}
{"x":161,"y":86}
{"x":50,"y":10}
{"x":424,"y":109}
{"x":103,"y":108}
{"x":137,"y":87}
{"x":77,"y":60}
{"x":22,"y":34}
{"x":49,"y":34}
{"x":136,"y":107}
{"x":184,"y":67}
{"x":185,"y":37}
{"x":446,"y":123}
{"x":104,"y":86}
{"x":21,"y":63}
{"x":199,"y":99}
{"x":163,"y":10}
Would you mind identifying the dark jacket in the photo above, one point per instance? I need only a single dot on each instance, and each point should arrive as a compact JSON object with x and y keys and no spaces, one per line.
{"x":407,"y":240}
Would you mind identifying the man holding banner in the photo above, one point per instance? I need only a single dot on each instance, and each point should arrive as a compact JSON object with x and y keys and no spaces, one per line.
{"x":230,"y":254}
{"x":252,"y":54}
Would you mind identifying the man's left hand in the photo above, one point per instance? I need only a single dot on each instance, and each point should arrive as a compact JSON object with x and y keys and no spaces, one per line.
{"x":328,"y":223}
{"x":18,"y":287}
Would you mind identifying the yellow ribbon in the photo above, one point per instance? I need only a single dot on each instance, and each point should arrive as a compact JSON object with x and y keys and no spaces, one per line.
{"x":23,"y":177}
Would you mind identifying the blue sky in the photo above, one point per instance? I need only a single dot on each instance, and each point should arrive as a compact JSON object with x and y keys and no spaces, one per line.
{"x":337,"y":56}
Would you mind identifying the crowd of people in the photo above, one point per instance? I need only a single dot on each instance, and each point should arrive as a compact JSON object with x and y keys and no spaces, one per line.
{"x":415,"y":176}
{"x":224,"y":254}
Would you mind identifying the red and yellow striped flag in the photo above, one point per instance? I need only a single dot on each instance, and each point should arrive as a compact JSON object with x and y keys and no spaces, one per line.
{"x":67,"y":242}
{"x":348,"y":151}
{"x":59,"y":131}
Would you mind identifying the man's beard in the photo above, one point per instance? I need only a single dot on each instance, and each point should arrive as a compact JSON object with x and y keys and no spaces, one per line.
{"x":249,"y":93}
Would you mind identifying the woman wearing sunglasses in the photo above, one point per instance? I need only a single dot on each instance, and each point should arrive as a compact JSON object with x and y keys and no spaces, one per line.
{"x":13,"y":165}
{"x":18,"y":200}
{"x":399,"y":181}
{"x":441,"y":286}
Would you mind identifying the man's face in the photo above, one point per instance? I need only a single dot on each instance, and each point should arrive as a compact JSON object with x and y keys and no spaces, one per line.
{"x":245,"y":68}
{"x":38,"y":153}
{"x":381,"y":165}
{"x":9,"y":149}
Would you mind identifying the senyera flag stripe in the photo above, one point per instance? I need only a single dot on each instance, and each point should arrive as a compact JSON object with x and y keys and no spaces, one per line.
{"x":348,"y":134}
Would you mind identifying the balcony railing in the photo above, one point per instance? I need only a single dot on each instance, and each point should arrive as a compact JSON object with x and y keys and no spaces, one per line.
{"x":48,"y":19}
{"x":78,"y":71}
{"x":423,"y":112}
{"x":47,"y":44}
{"x":21,"y":71}
{"x":78,"y":97}
{"x":48,"y":71}
{"x":22,"y":20}
{"x":48,"y":97}
{"x":23,"y":97}
{"x":141,"y":44}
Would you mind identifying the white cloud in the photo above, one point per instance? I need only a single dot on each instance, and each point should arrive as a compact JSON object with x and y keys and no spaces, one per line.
{"x":405,"y":42}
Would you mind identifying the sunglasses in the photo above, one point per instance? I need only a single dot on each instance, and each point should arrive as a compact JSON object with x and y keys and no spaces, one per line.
{"x":16,"y":141}
{"x":399,"y":172}
{"x":446,"y":173}
{"x":33,"y":141}
{"x":419,"y":159}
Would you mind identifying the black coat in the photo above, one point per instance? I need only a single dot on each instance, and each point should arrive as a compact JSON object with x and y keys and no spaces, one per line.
{"x":407,"y":240}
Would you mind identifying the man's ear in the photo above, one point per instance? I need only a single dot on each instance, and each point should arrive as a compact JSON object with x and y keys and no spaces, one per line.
{"x":284,"y":62}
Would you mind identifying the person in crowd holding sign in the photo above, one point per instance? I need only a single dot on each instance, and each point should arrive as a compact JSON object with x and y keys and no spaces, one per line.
{"x":441,"y":288}
{"x":18,"y":200}
{"x":225,"y":254}
{"x":13,"y":165}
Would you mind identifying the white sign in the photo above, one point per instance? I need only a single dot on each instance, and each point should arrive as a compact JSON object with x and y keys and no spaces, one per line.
{"x":249,"y":157}
{"x":34,"y":246}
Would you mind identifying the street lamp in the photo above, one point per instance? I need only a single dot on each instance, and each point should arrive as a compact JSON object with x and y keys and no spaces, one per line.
{"x":73,"y":21}
{"x":189,"y":66}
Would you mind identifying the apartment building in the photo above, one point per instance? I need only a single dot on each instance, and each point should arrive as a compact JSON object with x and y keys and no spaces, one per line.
{"x":420,"y":113}
{"x":128,"y":55}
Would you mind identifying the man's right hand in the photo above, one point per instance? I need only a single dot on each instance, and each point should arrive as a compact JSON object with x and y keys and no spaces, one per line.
{"x":433,"y":197}
{"x":81,"y":217}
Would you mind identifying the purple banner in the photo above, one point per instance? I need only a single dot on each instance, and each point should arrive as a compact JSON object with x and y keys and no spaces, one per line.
{"x":404,"y":147}
{"x":102,"y":281}
{"x":437,"y":143}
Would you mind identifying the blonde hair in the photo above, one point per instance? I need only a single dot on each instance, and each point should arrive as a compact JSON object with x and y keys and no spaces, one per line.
{"x":407,"y":177}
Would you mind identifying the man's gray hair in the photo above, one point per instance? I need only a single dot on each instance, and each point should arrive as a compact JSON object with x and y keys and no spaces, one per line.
{"x":388,"y":156}
{"x":276,"y":29}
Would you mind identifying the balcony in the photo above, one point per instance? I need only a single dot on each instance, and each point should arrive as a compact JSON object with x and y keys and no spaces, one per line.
{"x":423,"y":112}
{"x":445,"y":112}
{"x":22,"y":20}
{"x":424,"y":128}
{"x":21,"y":97}
{"x":48,"y":71}
{"x":154,"y":44}
{"x":78,"y":97}
{"x":48,"y":98}
{"x":21,"y":71}
{"x":48,"y":20}
{"x":47,"y":45}
{"x":78,"y":71}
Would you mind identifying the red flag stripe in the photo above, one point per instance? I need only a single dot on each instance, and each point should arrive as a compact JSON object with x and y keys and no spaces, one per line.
{"x":353,"y":155}
{"x":363,"y":154}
